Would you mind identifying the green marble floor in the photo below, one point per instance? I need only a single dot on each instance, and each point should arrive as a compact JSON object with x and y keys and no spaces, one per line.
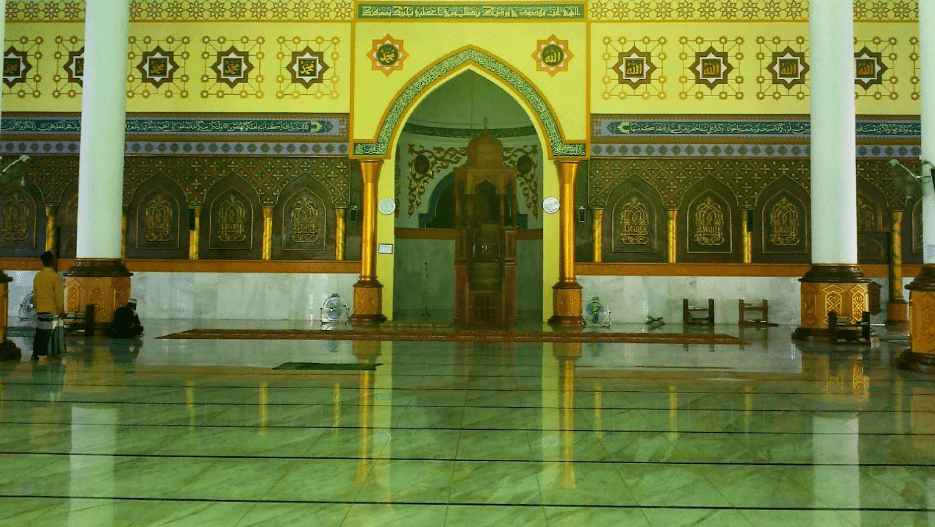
{"x":205,"y":433}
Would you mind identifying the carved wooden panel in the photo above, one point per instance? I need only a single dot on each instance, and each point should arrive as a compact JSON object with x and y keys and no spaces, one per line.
{"x":872,"y":225}
{"x":232,"y":222}
{"x":304,"y":223}
{"x":709,"y":224}
{"x":157,"y":222}
{"x":22,"y":221}
{"x":781,"y":226}
{"x":634,"y":224}
{"x":67,"y":222}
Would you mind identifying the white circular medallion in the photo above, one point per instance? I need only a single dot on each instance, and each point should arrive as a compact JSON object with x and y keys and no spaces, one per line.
{"x":387,"y":206}
{"x":550,"y":205}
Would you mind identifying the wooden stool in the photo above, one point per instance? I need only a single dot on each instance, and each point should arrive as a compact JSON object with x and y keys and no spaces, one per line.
{"x":760,"y":311}
{"x":698,"y":316}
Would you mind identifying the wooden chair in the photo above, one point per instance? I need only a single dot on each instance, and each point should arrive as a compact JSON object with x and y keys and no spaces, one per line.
{"x":698,"y":316}
{"x":761,"y":312}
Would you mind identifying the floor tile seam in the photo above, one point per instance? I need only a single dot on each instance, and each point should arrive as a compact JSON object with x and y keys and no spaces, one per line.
{"x":454,"y":460}
{"x":252,"y":404}
{"x":462,"y":504}
{"x":521,"y":429}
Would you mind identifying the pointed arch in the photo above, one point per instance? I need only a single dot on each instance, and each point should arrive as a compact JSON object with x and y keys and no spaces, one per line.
{"x":451,"y":65}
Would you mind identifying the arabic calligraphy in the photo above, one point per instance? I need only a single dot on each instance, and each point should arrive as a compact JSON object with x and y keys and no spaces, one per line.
{"x":177,"y":126}
{"x":525,"y":11}
{"x":782,"y":128}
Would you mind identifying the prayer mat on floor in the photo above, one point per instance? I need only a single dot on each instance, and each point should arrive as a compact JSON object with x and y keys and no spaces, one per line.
{"x":462,"y":335}
{"x":326,"y":366}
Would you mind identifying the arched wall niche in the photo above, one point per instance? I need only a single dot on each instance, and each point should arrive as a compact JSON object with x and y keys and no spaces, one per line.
{"x":633,"y":228}
{"x":157,"y":222}
{"x":304,"y":222}
{"x":872,"y":225}
{"x":709,"y":224}
{"x":22,"y":221}
{"x":232,"y":222}
{"x":781,"y":226}
{"x":66,"y":222}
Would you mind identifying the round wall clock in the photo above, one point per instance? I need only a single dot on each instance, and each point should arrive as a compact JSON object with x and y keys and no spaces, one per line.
{"x":550,"y":205}
{"x":387,"y":206}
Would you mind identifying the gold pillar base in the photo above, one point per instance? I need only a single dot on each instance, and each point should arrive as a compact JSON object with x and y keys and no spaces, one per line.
{"x":104,"y":283}
{"x":827,"y":288}
{"x":368,"y":303}
{"x":566,"y":305}
{"x":921,"y":350}
{"x":897,"y":314}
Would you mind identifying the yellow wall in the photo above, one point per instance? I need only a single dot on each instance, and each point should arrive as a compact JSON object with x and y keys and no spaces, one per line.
{"x":257,"y":96}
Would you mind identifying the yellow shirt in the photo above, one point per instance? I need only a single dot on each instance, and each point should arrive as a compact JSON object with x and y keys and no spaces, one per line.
{"x":48,"y":292}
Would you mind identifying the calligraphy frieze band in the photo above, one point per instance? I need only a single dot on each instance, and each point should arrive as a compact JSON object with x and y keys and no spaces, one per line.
{"x":610,"y":127}
{"x":522,"y":11}
{"x":330,"y":126}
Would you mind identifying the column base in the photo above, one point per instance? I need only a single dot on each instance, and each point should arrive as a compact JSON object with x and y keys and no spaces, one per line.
{"x":9,"y":351}
{"x":919,"y":362}
{"x":566,"y":305}
{"x":922,"y":311}
{"x":368,"y":303}
{"x":103,"y":283}
{"x":826,"y":288}
{"x":897,"y":314}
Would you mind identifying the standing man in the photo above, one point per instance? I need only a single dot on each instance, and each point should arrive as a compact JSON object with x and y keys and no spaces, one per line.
{"x":50,"y":302}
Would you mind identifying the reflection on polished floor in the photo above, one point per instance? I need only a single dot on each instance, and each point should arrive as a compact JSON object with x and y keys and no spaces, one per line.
{"x":204,"y":433}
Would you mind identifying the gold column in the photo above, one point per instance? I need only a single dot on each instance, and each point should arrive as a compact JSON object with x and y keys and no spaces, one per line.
{"x":340,"y":228}
{"x":263,"y":409}
{"x":897,"y":310}
{"x":190,"y":403}
{"x":368,"y":292}
{"x":673,"y":412}
{"x":672,"y":235}
{"x":567,"y":292}
{"x":51,"y":211}
{"x":267,"y":233}
{"x":747,"y":238}
{"x":597,"y":221}
{"x":193,"y":236}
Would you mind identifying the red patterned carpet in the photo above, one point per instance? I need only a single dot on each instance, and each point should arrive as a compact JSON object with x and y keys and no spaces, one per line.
{"x":455,"y":335}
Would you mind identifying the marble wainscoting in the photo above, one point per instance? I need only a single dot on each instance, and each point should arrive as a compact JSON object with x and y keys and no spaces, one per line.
{"x":236,"y":296}
{"x":632,"y":298}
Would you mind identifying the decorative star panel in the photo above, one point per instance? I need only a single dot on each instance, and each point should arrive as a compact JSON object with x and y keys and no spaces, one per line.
{"x":699,"y":10}
{"x":707,"y":67}
{"x":387,"y":55}
{"x":307,"y":67}
{"x":552,"y":55}
{"x":232,"y":67}
{"x":916,"y":69}
{"x":783,"y":68}
{"x":21,"y":66}
{"x":634,"y":68}
{"x":158,"y":66}
{"x":69,"y":67}
{"x":885,"y":10}
{"x":874,"y":66}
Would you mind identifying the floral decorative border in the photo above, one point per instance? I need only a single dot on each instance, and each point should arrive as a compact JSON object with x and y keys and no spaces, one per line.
{"x":331,"y":126}
{"x":495,"y":67}
{"x":189,"y":10}
{"x":220,"y":148}
{"x":741,"y":151}
{"x":608,"y":127}
{"x":741,"y":10}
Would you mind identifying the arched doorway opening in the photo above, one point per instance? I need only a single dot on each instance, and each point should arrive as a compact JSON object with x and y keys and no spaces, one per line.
{"x":431,"y":144}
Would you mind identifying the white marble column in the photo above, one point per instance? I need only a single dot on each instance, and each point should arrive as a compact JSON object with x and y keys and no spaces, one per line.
{"x":103,"y":129}
{"x":927,"y":85}
{"x":834,"y":267}
{"x":833,"y":137}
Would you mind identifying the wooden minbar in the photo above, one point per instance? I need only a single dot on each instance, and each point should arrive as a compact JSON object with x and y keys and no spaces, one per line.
{"x":485,"y":247}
